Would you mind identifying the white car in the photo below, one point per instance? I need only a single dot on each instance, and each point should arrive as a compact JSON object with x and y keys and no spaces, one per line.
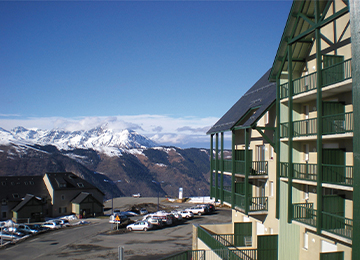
{"x":186,"y":214}
{"x":141,"y":225}
{"x":196,"y":210}
{"x":51,"y":225}
{"x":137,"y":195}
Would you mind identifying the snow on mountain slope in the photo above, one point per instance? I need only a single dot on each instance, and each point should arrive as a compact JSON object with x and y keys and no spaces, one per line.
{"x":101,"y":139}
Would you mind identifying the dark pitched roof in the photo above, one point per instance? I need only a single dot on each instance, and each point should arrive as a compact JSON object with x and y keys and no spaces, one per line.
{"x":82,"y":196}
{"x":260,"y":96}
{"x":79,"y":198}
{"x":14,"y":188}
{"x":68,"y":180}
{"x":27,"y":198}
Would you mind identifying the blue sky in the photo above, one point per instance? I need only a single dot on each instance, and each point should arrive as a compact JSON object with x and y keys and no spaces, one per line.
{"x":167,"y":69}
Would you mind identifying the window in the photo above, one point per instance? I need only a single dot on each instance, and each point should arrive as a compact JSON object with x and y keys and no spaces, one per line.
{"x":306,"y":152}
{"x":80,"y":184}
{"x":15,"y":195}
{"x":3,"y":202}
{"x":3,"y":183}
{"x":3,"y":214}
{"x":306,"y":240}
{"x":64,"y":209}
{"x":306,"y":192}
{"x":62,"y":197}
{"x":271,"y":189}
{"x":31,"y":182}
{"x":26,"y":183}
{"x":59,"y":209}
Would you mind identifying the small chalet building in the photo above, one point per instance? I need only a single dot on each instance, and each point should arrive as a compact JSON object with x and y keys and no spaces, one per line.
{"x":32,"y":198}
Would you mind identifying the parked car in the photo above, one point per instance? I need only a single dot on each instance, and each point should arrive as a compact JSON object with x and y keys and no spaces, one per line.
{"x":13,"y":231}
{"x":8,"y":236}
{"x":26,"y":229}
{"x":141,"y":225}
{"x":186,"y":214}
{"x":51,"y":225}
{"x":196,"y":210}
{"x":143,"y":211}
{"x":156,"y":223}
{"x":38,"y":227}
{"x":64,"y":223}
{"x":137,"y":195}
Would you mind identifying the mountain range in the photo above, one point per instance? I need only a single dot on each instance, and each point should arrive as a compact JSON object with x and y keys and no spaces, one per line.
{"x":118,"y":162}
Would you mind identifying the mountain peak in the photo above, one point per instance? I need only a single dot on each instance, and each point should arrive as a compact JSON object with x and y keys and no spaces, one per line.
{"x":101,"y":138}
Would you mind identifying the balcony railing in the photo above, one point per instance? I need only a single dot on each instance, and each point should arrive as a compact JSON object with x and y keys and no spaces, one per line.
{"x":240,"y":201}
{"x":304,"y":213}
{"x":220,"y":249}
{"x":258,"y":204}
{"x":305,"y":127}
{"x":337,"y":174}
{"x":187,"y":255}
{"x":337,"y":225}
{"x":284,"y":130}
{"x":331,"y":173}
{"x":333,"y":124}
{"x":305,"y":171}
{"x":338,"y":124}
{"x":258,"y":167}
{"x":330,"y":75}
{"x":336,"y":73}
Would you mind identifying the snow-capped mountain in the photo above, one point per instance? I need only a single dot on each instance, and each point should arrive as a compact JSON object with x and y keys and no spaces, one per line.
{"x":101,"y":139}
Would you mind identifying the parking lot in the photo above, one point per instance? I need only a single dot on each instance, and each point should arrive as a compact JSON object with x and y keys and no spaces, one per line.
{"x":95,"y":241}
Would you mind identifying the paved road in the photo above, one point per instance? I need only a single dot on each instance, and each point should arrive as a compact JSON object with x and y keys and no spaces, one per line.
{"x":93,"y":242}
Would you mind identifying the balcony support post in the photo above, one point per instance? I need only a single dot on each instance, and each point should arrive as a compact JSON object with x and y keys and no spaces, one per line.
{"x":319,"y":120}
{"x":277,"y":149}
{"x":222,"y":169}
{"x":217,"y":167}
{"x":247,"y":170}
{"x":291,"y":134}
{"x":233,"y":169}
{"x":211,"y":165}
{"x":355,"y":51}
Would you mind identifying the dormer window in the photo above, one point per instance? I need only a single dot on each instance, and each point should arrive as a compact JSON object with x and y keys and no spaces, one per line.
{"x":3,"y":202}
{"x":62,"y":185}
{"x":26,"y":183}
{"x":15,"y":195}
{"x":3,"y":183}
{"x":80,"y":184}
{"x":31,"y":182}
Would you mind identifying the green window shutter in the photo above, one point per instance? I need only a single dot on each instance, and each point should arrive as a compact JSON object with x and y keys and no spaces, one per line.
{"x":333,"y":69}
{"x":242,"y":230}
{"x":267,"y":247}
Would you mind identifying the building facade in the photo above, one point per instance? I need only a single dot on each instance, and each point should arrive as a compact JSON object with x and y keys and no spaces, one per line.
{"x":294,"y":187}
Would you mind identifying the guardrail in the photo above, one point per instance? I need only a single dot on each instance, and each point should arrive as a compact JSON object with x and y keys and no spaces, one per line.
{"x":337,"y":225}
{"x":305,"y":171}
{"x":304,"y":213}
{"x":337,"y":174}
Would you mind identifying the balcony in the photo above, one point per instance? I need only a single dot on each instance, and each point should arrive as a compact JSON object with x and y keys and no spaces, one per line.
{"x":331,"y":75}
{"x":256,"y":204}
{"x":333,"y":124}
{"x":224,"y":245}
{"x":258,"y":167}
{"x":305,"y":213}
{"x":337,"y":225}
{"x":332,"y":174}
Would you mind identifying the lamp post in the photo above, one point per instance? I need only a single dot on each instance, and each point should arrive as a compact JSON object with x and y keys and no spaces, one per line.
{"x":158,"y":183}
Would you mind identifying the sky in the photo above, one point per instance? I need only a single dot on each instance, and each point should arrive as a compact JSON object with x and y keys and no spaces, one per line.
{"x":166,"y":69}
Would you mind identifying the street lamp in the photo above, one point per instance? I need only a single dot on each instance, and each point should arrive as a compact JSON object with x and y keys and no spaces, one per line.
{"x":158,"y":183}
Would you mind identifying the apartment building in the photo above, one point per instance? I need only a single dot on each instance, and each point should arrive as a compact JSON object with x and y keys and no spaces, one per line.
{"x":294,"y":190}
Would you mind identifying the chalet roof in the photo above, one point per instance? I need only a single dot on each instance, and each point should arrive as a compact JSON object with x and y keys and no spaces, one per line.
{"x":69,"y":181}
{"x":14,"y":188}
{"x":258,"y":98}
{"x":300,"y":32}
{"x":82,"y":196}
{"x":26,"y":199}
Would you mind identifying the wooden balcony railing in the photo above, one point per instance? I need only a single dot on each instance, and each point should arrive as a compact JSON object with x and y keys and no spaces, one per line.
{"x":330,"y":75}
{"x":304,"y":213}
{"x":337,"y":225}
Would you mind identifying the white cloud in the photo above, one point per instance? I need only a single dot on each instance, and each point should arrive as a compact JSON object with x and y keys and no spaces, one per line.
{"x":163,"y":129}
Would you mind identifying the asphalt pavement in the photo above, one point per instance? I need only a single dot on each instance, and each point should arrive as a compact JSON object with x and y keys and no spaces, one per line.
{"x":95,"y":241}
